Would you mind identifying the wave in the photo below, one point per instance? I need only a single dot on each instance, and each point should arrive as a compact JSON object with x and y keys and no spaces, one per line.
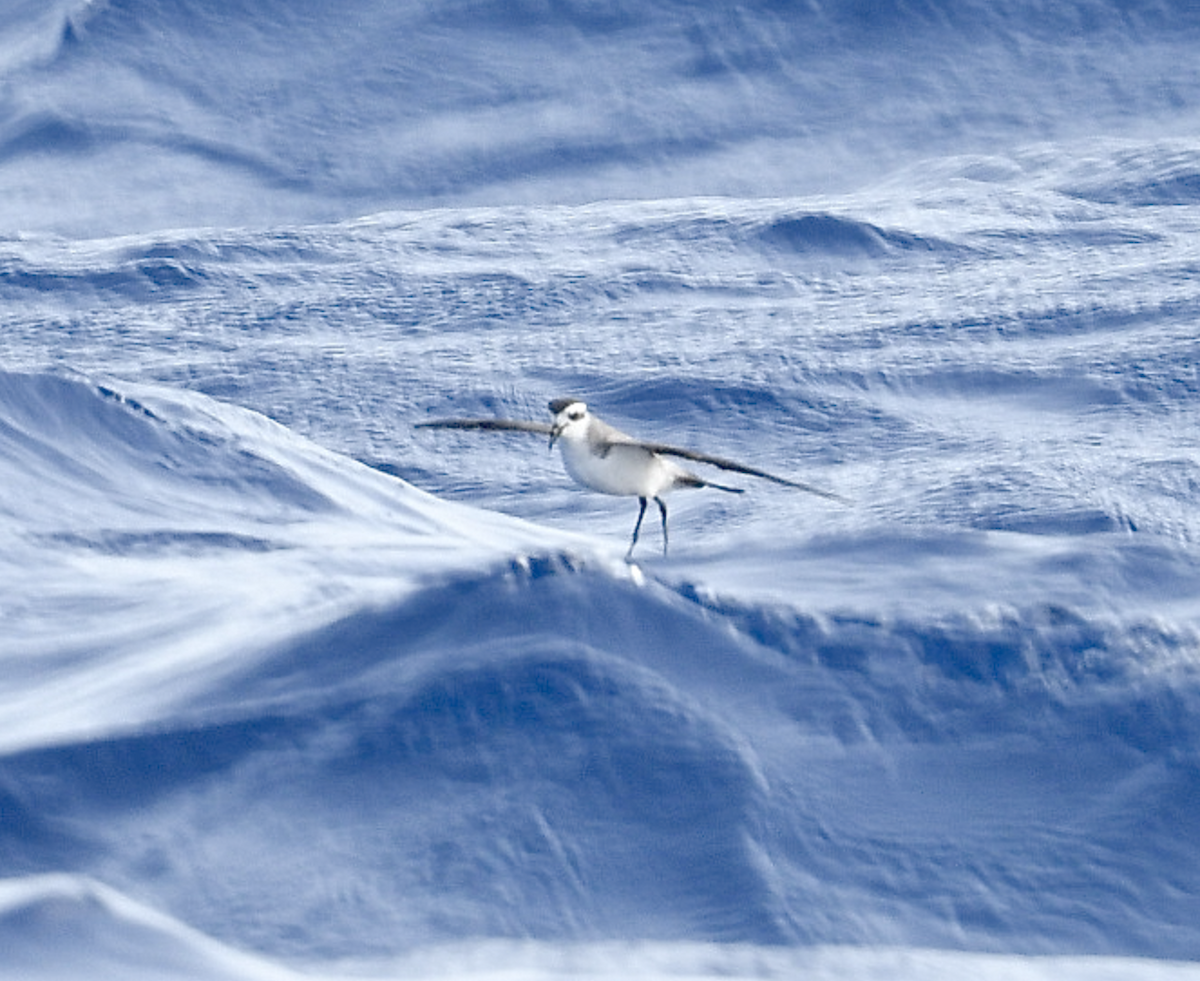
{"x":832,"y":235}
{"x":65,"y":438}
{"x":85,"y":928}
{"x":547,"y":751}
{"x":58,"y":926}
{"x":701,"y":100}
{"x":1166,"y":174}
{"x":138,"y":277}
{"x":326,"y":721}
{"x":781,"y":231}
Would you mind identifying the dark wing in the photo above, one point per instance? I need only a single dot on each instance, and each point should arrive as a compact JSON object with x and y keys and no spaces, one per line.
{"x":515,"y":425}
{"x":735,"y":467}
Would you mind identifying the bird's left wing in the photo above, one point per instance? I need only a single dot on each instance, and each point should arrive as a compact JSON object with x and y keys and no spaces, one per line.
{"x":735,"y":467}
{"x":514,"y":425}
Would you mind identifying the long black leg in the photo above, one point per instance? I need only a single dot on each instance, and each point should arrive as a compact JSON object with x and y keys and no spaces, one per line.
{"x":662,"y":506}
{"x":636,"y":528}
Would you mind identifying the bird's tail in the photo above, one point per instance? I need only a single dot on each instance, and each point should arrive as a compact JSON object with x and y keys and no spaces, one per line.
{"x":728,"y":490}
{"x":691,"y":480}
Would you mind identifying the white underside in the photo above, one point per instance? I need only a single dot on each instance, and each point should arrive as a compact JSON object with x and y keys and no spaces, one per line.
{"x":625,"y":470}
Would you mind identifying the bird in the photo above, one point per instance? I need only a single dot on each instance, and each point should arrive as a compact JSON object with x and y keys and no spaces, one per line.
{"x":602,"y":458}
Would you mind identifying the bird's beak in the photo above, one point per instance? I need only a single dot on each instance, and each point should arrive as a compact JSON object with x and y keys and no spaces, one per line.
{"x":554,"y":434}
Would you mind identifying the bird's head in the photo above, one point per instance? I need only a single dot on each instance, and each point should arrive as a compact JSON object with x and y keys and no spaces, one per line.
{"x":570,"y":419}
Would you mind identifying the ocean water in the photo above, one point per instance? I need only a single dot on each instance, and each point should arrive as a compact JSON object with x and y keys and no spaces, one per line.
{"x":291,"y":688}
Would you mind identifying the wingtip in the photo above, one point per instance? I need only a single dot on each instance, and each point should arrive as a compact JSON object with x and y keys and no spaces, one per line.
{"x":810,"y":489}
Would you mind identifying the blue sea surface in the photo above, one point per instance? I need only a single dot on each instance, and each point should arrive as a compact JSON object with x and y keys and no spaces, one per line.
{"x":293,"y":688}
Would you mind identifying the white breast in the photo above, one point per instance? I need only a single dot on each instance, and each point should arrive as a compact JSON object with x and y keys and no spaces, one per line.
{"x":625,"y":470}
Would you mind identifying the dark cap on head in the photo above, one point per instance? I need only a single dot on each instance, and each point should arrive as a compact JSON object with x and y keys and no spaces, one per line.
{"x":559,"y":404}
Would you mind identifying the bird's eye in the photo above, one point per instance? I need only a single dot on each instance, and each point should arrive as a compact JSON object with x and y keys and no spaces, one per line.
{"x":575,"y":416}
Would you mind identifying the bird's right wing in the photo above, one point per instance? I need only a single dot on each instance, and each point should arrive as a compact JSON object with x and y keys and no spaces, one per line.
{"x":734,"y":467}
{"x":512,"y":425}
